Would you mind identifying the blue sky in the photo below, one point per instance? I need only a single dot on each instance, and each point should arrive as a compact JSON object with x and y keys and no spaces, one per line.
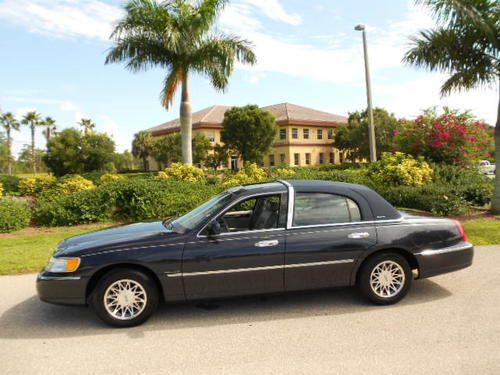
{"x":308,"y":53}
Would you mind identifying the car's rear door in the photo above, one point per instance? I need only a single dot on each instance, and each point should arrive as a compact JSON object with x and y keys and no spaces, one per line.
{"x":246,"y":258}
{"x":326,"y":237}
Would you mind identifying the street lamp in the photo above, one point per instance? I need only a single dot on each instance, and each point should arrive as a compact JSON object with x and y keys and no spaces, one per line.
{"x":371,"y":126}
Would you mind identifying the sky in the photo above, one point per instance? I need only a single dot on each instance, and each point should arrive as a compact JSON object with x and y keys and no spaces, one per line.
{"x":53,"y":51}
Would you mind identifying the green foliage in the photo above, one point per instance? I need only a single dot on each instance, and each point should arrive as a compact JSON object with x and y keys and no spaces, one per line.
{"x":70,"y":184}
{"x":10,"y":183}
{"x":33,"y":186}
{"x":71,"y":152}
{"x":1,"y":190}
{"x":218,"y":158}
{"x":250,"y":131}
{"x":182,"y":172}
{"x":250,"y":174}
{"x":14,"y":215}
{"x":168,"y":149}
{"x":353,"y":138}
{"x":143,"y":146}
{"x":108,"y":177}
{"x":400,"y":169}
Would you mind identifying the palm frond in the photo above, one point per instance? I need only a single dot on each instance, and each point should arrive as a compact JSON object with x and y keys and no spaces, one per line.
{"x":206,"y":14}
{"x":172,"y":82}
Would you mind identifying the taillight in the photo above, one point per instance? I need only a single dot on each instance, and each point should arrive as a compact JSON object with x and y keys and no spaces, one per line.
{"x":461,"y":230}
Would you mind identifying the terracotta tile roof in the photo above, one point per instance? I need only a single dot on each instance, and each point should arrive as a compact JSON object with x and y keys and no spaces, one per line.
{"x":284,"y":112}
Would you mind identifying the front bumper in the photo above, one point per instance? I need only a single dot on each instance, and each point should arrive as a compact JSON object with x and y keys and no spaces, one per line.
{"x":434,"y":262}
{"x":61,"y":289}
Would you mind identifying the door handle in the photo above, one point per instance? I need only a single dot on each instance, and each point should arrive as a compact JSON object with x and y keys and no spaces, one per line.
{"x":267,"y":243}
{"x":358,"y":235}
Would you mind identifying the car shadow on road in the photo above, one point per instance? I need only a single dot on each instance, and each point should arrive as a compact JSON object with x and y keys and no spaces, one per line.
{"x":35,"y":319}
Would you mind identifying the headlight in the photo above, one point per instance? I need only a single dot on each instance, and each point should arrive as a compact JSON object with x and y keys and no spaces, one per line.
{"x":62,"y":264}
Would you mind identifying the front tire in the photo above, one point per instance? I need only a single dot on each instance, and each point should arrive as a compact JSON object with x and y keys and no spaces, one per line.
{"x":124,"y":297}
{"x":385,"y":278}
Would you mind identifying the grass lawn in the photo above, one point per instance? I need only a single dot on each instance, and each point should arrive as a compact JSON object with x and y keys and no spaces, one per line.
{"x":28,"y":250}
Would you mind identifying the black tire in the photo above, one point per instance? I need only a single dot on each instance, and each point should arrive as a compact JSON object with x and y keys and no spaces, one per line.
{"x":373,"y":293}
{"x":135,"y":277}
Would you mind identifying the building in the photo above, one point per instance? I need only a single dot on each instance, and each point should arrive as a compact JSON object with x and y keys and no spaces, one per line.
{"x":305,"y":135}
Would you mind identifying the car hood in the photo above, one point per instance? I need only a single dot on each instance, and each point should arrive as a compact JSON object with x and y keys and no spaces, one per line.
{"x":113,"y":238}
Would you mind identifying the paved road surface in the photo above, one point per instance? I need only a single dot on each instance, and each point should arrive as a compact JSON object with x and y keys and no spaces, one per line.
{"x":447,"y":325}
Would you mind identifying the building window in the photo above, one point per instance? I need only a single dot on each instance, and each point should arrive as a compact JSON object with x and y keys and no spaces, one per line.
{"x":295,"y":133}
{"x":332,"y":158}
{"x":331,"y":134}
{"x":282,"y":158}
{"x":308,"y":158}
{"x":271,"y":160}
{"x":320,"y":133}
{"x":296,"y":159}
{"x":321,"y":158}
{"x":282,"y":134}
{"x":341,"y":157}
{"x":211,"y":136}
{"x":234,"y":162}
{"x":306,"y":133}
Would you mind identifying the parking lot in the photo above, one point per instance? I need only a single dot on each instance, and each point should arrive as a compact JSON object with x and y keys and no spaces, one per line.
{"x":447,"y":324}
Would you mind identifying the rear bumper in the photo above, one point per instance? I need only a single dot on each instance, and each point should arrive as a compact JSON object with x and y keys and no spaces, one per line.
{"x":434,"y":262}
{"x":64,"y":290}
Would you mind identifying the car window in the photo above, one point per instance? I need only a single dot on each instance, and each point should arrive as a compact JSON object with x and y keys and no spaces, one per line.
{"x":252,"y":214}
{"x":322,"y":208}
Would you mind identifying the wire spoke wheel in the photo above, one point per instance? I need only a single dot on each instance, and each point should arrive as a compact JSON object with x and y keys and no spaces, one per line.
{"x":125,"y":299}
{"x":387,"y":279}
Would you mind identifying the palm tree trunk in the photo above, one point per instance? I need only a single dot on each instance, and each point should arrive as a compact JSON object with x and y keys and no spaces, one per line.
{"x":9,"y":153}
{"x":186,"y":123}
{"x":495,"y":202}
{"x":145,"y":163}
{"x":33,"y":161}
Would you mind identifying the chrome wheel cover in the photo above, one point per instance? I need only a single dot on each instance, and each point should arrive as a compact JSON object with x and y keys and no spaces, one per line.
{"x":125,"y":299}
{"x":387,"y":279}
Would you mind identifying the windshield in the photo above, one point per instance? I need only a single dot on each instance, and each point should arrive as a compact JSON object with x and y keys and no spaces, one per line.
{"x":193,"y":219}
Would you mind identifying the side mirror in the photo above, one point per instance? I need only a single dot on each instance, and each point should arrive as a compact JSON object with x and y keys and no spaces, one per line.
{"x":213,"y":227}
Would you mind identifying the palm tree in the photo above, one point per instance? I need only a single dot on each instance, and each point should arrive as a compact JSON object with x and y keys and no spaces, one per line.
{"x":177,"y":35}
{"x":87,"y":124}
{"x":50,"y":127}
{"x":9,"y":123}
{"x":465,"y":44}
{"x":142,"y":147}
{"x":32,"y":120}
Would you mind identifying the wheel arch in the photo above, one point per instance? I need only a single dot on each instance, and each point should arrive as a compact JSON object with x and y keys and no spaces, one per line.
{"x":408,"y":255}
{"x":94,"y":279}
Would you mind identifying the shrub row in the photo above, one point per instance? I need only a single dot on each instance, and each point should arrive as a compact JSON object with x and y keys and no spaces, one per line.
{"x":14,"y":215}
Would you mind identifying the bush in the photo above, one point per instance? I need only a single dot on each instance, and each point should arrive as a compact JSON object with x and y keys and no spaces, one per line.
{"x":10,"y":183}
{"x":108,"y":177}
{"x":14,"y":215}
{"x":400,"y":169}
{"x":249,"y":174}
{"x":1,"y":190}
{"x":34,"y":186}
{"x":73,"y":183}
{"x":182,"y":172}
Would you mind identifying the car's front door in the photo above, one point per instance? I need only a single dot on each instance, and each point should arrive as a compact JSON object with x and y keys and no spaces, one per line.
{"x":326,"y":237}
{"x":246,"y":257}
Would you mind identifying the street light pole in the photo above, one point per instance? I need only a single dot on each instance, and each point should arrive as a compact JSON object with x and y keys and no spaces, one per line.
{"x":371,"y":126}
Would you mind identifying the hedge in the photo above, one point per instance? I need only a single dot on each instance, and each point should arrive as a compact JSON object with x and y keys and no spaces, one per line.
{"x":14,"y":215}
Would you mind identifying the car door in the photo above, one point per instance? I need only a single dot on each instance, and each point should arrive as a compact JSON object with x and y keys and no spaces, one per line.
{"x":326,"y":237}
{"x":247,"y":257}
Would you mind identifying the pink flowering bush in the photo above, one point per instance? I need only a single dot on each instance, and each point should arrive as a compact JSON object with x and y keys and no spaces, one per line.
{"x":450,"y":138}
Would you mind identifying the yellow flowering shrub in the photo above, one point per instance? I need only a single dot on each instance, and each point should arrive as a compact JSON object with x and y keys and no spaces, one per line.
{"x":182,"y":172}
{"x":251,"y":173}
{"x":1,"y":190}
{"x":32,"y":186}
{"x":110,"y":177}
{"x":401,"y":169}
{"x":73,"y":184}
{"x":284,"y":172}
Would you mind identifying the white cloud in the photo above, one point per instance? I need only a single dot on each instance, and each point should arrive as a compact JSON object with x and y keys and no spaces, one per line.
{"x":111,"y":127}
{"x":275,"y":11}
{"x":68,"y":106}
{"x":62,"y":18}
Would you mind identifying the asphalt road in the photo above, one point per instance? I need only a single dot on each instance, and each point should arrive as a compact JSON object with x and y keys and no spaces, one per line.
{"x":447,"y":325}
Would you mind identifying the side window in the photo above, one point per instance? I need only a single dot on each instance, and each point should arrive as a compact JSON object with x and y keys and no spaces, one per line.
{"x":321,"y":208}
{"x":252,"y":214}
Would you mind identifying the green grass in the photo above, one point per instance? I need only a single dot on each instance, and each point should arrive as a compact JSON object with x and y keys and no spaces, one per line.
{"x":483,"y":231}
{"x":28,"y":250}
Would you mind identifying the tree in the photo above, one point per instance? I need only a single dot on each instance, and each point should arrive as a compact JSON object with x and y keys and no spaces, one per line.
{"x":25,"y":160}
{"x":353,"y":138}
{"x":9,"y":123}
{"x":178,"y":36}
{"x":465,"y":45}
{"x":50,"y":127}
{"x":142,"y":147}
{"x":250,"y":131}
{"x":72,"y":152}
{"x":218,"y":157}
{"x":87,"y":124}
{"x":126,"y":162}
{"x":201,"y":145}
{"x":168,"y":149}
{"x":32,"y":120}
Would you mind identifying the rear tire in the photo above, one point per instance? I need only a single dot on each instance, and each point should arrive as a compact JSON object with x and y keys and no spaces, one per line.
{"x":385,"y":278}
{"x":124,"y":297}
